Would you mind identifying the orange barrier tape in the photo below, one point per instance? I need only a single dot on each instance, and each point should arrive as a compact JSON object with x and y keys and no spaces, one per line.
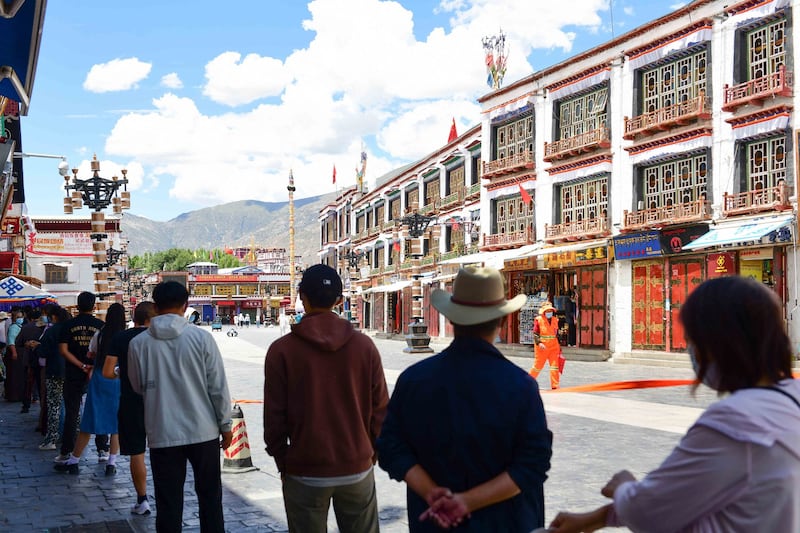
{"x":247,"y":401}
{"x":623,"y":385}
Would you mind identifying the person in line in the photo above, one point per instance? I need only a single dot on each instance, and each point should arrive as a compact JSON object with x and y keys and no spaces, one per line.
{"x":466,"y":428}
{"x":73,"y":345}
{"x":55,"y":366}
{"x":3,"y":339}
{"x":545,"y":344}
{"x":130,"y":418}
{"x":15,"y":376}
{"x":738,"y":467}
{"x":102,"y":397}
{"x":325,"y":398}
{"x":25,"y":343}
{"x":178,"y":370}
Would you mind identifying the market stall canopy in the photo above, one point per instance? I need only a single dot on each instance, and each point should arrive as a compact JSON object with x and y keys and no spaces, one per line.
{"x":15,"y":291}
{"x":21,"y":23}
{"x":742,"y":231}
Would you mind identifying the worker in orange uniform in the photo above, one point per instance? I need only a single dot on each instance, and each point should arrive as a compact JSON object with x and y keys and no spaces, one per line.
{"x":546,"y":347}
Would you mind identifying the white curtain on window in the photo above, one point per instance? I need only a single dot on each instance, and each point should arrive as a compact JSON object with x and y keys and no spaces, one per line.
{"x":756,"y":12}
{"x":761,"y":127}
{"x":580,"y":84}
{"x":583,"y":172}
{"x":657,"y":152}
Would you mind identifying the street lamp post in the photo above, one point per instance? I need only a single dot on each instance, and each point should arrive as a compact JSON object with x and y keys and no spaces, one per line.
{"x":418,"y":339}
{"x":98,"y":193}
{"x":292,"y":290}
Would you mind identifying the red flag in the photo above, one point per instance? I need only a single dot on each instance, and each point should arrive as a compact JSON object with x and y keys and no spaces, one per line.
{"x":396,"y":246}
{"x":453,"y":133}
{"x":525,"y":196}
{"x":334,"y":174}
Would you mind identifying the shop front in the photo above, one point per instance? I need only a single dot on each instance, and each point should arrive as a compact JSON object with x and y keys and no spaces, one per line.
{"x":668,"y":264}
{"x":574,"y":278}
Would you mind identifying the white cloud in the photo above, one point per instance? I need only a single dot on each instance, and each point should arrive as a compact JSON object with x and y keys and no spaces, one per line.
{"x":109,"y":169}
{"x":234,"y":81}
{"x":171,"y":81}
{"x":677,"y":5}
{"x":353,"y":81}
{"x":628,"y":10}
{"x":116,"y":75}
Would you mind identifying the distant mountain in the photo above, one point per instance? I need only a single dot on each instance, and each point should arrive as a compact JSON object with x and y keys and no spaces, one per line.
{"x":266,"y":224}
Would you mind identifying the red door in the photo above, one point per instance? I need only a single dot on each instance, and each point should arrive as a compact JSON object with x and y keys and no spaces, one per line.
{"x":592,"y":307}
{"x":648,"y":305}
{"x":431,"y":315}
{"x":685,"y":276}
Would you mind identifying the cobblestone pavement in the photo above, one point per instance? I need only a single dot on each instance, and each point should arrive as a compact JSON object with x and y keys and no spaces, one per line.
{"x":595,"y":434}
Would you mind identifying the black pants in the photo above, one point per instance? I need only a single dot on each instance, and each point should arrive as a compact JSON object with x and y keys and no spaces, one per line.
{"x":169,"y":476}
{"x":73,"y":390}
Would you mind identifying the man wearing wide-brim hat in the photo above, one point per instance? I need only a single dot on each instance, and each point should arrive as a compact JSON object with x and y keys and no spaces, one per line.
{"x":466,"y":428}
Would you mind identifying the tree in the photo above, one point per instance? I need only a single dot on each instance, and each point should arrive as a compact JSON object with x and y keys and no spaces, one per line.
{"x":177,"y":259}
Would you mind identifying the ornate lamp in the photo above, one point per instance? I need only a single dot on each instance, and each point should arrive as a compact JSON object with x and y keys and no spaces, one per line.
{"x":418,"y":339}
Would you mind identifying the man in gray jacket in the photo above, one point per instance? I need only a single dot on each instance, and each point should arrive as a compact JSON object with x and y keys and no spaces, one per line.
{"x":178,"y":370}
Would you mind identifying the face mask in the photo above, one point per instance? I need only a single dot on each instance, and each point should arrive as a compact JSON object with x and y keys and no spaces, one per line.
{"x":19,"y":321}
{"x":548,"y":314}
{"x":711,"y":379}
{"x":45,"y":320}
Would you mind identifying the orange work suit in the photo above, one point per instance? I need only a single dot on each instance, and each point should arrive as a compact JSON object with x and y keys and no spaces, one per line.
{"x":547,"y":330}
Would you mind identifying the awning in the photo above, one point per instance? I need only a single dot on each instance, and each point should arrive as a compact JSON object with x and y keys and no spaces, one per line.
{"x":391,"y":287}
{"x":20,"y":38}
{"x":740,"y":231}
{"x":492,"y":259}
{"x":572,"y":247}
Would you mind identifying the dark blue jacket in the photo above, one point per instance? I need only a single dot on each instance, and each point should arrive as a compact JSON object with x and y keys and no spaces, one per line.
{"x":467,"y":415}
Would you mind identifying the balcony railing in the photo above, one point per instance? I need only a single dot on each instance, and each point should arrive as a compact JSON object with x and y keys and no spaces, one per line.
{"x":670,"y":214}
{"x":428,"y":259}
{"x":456,"y":197}
{"x":474,"y":190}
{"x":571,"y":231}
{"x":755,"y":91}
{"x":389,"y":224}
{"x":585,"y":142}
{"x":431,"y":207}
{"x":508,"y":164}
{"x":508,"y":240}
{"x":769,"y":199}
{"x":667,"y":117}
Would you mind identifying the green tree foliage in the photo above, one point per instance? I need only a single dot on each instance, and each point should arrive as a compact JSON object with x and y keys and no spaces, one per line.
{"x":177,"y":259}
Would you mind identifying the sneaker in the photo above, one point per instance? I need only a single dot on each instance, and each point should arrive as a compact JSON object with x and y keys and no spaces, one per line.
{"x":142,"y":509}
{"x":47,"y":446}
{"x":25,"y":410}
{"x":68,"y":468}
{"x":102,"y":456}
{"x":61,"y":458}
{"x":111,"y":470}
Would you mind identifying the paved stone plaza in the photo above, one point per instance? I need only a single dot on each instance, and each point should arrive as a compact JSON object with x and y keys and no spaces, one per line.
{"x":595,"y":434}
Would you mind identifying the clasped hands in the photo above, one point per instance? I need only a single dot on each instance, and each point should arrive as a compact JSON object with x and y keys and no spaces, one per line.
{"x":566,"y":522}
{"x":445,"y":509}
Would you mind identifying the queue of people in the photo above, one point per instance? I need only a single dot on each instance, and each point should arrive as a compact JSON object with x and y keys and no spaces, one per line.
{"x":464,"y":429}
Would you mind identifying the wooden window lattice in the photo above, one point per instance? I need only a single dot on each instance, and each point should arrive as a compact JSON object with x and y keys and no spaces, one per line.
{"x":766,"y":163}
{"x":512,"y":215}
{"x":677,"y":81}
{"x":582,"y":113}
{"x":584,"y":200}
{"x":514,"y":138}
{"x":676,"y":182}
{"x":766,"y":49}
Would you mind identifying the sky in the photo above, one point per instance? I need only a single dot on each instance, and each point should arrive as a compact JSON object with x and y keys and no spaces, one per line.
{"x":207,"y":102}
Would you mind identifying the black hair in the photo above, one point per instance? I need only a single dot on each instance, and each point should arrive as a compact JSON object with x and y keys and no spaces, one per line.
{"x":86,"y":302}
{"x":737,"y":324}
{"x":170,"y":295}
{"x":144,"y":311}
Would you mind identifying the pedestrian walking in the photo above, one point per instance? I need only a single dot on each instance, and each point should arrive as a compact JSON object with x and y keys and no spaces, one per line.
{"x":130,"y":417}
{"x":325,"y":398}
{"x":102,"y":397}
{"x":179,"y":372}
{"x":466,"y":428}
{"x":73,"y":345}
{"x":283,"y":323}
{"x":737,"y":468}
{"x":25,"y":343}
{"x":15,"y":375}
{"x":546,"y":347}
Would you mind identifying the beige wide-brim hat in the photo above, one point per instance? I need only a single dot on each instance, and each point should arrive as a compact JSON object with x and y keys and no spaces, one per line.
{"x":3,"y":315}
{"x":478,"y":296}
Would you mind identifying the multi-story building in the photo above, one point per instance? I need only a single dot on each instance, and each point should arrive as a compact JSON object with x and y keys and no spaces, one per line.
{"x":654,"y":161}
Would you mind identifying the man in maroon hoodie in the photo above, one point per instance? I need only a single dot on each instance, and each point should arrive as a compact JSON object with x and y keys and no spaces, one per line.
{"x":325,"y":399}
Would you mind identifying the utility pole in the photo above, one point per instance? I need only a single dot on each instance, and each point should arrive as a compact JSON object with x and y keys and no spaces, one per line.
{"x":292,"y":289}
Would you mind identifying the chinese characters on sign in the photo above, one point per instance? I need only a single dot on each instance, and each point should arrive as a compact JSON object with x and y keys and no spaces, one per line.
{"x":637,"y":245}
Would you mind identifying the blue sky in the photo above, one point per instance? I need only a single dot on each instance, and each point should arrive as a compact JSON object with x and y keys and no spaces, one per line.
{"x":211,"y":102}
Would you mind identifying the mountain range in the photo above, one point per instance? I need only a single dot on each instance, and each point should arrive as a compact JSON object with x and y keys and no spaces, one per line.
{"x":262,"y":224}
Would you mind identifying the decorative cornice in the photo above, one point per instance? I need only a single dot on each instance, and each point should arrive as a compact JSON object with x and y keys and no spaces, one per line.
{"x":674,"y":139}
{"x":583,"y":163}
{"x":577,"y":77}
{"x":513,"y":180}
{"x":701,"y":24}
{"x":759,"y":115}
